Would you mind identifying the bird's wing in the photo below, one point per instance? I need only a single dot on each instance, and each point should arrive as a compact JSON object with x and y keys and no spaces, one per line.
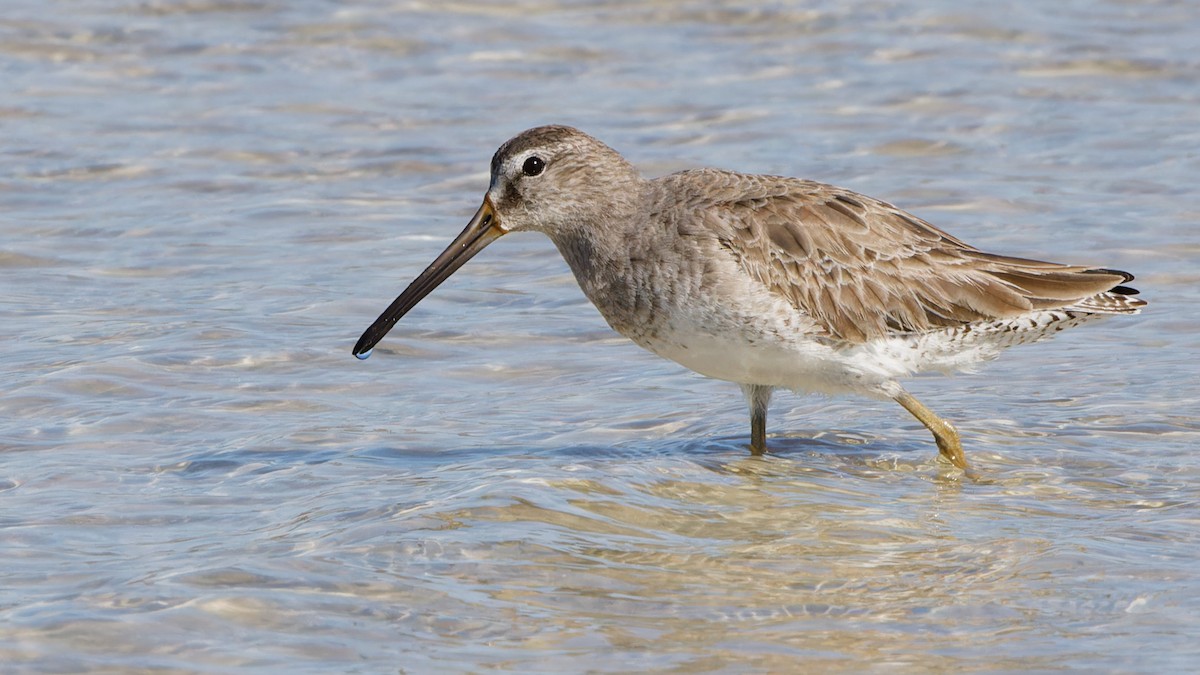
{"x":862,"y":268}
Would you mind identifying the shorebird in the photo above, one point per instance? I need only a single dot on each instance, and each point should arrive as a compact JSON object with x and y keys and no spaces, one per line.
{"x":767,"y":281}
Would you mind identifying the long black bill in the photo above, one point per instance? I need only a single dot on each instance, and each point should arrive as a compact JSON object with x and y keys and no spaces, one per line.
{"x":483,"y":229}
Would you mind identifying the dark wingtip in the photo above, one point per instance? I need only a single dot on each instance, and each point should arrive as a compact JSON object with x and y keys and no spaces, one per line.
{"x":1125,"y":276}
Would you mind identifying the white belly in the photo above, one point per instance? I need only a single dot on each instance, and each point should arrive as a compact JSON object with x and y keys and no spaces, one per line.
{"x":815,"y":369}
{"x":774,"y":348}
{"x":795,"y":360}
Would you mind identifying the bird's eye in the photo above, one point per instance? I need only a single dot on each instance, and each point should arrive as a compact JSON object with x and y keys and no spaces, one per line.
{"x":533,"y":166}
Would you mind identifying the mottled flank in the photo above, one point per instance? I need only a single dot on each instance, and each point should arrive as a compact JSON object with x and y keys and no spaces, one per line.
{"x":770,"y":281}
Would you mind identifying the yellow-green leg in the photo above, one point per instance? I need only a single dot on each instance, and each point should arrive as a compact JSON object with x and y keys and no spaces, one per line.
{"x":943,"y":432}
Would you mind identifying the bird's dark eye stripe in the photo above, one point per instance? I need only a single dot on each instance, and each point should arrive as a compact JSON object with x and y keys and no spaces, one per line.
{"x":533,"y":166}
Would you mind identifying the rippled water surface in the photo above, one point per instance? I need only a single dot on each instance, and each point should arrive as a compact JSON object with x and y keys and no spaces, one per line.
{"x":204,"y":202}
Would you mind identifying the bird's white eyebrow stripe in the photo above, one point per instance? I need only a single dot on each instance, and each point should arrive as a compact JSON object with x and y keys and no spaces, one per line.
{"x":519,"y":159}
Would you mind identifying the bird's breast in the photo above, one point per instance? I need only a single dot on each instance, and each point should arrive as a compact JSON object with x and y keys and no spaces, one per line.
{"x":700,"y":309}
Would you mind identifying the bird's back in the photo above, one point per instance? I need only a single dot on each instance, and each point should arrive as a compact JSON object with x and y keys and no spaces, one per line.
{"x":864,"y":269}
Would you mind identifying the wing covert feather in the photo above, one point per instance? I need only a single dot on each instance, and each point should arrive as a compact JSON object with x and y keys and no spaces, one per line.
{"x":862,"y":268}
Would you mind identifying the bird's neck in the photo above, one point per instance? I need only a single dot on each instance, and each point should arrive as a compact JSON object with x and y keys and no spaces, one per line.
{"x":615,"y":261}
{"x":604,"y":240}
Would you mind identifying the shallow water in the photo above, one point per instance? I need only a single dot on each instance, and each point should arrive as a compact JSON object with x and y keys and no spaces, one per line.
{"x":206,"y":201}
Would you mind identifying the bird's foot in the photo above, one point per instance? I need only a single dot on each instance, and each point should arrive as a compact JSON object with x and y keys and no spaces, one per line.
{"x":950,"y":447}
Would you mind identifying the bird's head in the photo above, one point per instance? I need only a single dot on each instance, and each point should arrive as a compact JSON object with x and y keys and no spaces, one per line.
{"x":551,"y":179}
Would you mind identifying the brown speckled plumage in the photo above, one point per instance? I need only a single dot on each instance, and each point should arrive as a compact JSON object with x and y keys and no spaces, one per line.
{"x":771,"y":281}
